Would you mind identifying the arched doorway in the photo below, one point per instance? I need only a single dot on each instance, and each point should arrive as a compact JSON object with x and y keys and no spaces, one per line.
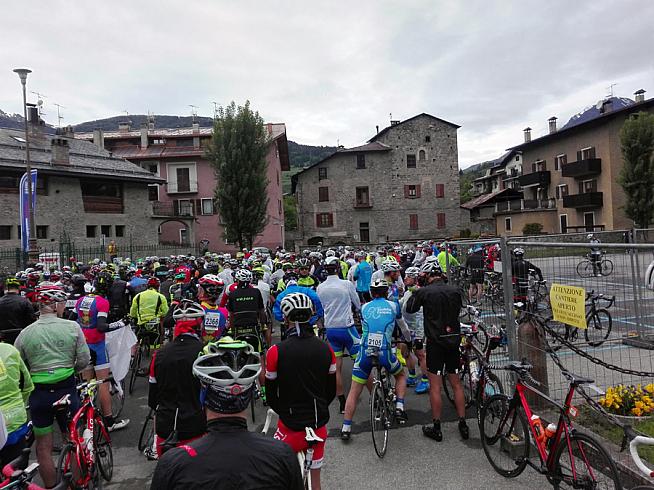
{"x":176,"y":231}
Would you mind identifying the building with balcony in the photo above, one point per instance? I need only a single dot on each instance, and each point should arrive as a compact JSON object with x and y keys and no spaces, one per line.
{"x":501,"y":173}
{"x":402,"y":185}
{"x":182,"y":203}
{"x":84,"y":195}
{"x":570,"y":175}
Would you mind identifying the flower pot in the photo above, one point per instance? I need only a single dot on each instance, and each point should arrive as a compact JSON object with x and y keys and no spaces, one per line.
{"x":631,"y":419}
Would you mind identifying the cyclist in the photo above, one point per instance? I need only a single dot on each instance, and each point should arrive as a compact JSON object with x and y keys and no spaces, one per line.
{"x":444,"y":256}
{"x":15,"y":387}
{"x":54,"y":350}
{"x":475,"y":266}
{"x":148,"y":309}
{"x":228,"y":456}
{"x":118,"y":297}
{"x":379,"y":318}
{"x":305,"y":278}
{"x":521,"y":270}
{"x":210,"y":287}
{"x":415,"y":322}
{"x":292,"y":287}
{"x":78,"y":283}
{"x":362,"y":275}
{"x":300,"y":381}
{"x":338,"y":298}
{"x":595,"y":255}
{"x":92,"y":313}
{"x":16,"y":311}
{"x":173,"y":390}
{"x":390,"y":271}
{"x":441,"y":305}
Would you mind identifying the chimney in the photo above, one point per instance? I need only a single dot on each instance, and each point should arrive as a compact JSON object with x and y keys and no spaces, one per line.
{"x":552,"y":122}
{"x":98,"y":138}
{"x":144,"y":136}
{"x":196,"y":127}
{"x":607,"y":105}
{"x":377,"y":128}
{"x":124,"y":126}
{"x":35,"y":125}
{"x":60,"y":151}
{"x":151,"y":121}
{"x":68,"y":131}
{"x":527,"y":132}
{"x":640,"y":95}
{"x":395,"y":123}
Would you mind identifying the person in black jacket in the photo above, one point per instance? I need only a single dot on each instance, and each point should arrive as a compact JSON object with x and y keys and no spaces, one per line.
{"x":174,"y":393}
{"x":441,"y":305}
{"x":521,"y":270}
{"x":301,"y":381}
{"x":228,"y":457}
{"x":16,"y":311}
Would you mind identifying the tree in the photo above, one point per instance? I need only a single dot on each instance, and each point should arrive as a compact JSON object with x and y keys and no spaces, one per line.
{"x":465,"y":187}
{"x":532,"y":229}
{"x":238,"y":155}
{"x":290,"y":213}
{"x":637,"y":175}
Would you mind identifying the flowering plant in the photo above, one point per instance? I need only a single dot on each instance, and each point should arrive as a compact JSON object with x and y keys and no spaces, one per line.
{"x":630,"y":400}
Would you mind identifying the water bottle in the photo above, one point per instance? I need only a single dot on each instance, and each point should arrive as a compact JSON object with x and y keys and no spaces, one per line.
{"x":550,"y":430}
{"x":538,"y":428}
{"x":87,"y":437}
{"x":474,"y":371}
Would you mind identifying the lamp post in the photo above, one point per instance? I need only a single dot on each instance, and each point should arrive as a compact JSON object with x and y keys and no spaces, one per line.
{"x":33,"y":256}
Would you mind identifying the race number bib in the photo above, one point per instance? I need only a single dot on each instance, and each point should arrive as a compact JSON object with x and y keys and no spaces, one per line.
{"x":375,"y":340}
{"x":70,"y":303}
{"x":212,"y":319}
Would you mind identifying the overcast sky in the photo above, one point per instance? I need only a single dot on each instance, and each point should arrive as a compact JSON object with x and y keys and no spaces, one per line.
{"x":332,"y":70}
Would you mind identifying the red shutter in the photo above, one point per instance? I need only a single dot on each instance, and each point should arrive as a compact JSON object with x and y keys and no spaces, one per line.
{"x":406,"y":191}
{"x":440,"y":190}
{"x":418,"y":190}
{"x":413,"y":221}
{"x":331,"y":219}
{"x":440,"y":218}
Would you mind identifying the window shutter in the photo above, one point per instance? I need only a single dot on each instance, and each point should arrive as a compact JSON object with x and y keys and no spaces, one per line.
{"x":318,"y":220}
{"x":440,"y":190}
{"x":330,"y":219}
{"x":176,"y":207}
{"x":406,"y":191}
{"x":418,"y":190}
{"x":198,"y":207}
{"x":440,"y":220}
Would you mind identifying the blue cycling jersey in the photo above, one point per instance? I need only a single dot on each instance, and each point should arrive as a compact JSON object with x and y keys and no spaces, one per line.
{"x":378,"y":319}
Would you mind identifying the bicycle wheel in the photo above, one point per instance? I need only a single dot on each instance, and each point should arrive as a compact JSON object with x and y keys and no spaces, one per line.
{"x":504,"y":436}
{"x":599,"y":327}
{"x":67,"y":461}
{"x":606,"y":267}
{"x":467,"y":384}
{"x":104,"y":456}
{"x":134,"y":368}
{"x":378,"y":420}
{"x":146,"y":437}
{"x":117,"y":398}
{"x":584,"y":463}
{"x":585,"y":269}
{"x":486,"y":388}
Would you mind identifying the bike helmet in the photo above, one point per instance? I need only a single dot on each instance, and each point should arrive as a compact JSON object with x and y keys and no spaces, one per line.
{"x":103,"y":282}
{"x":243,"y":276}
{"x":390,"y":266}
{"x":187,"y":310}
{"x":431,"y":269}
{"x":211,"y":285}
{"x":12,"y":282}
{"x":78,"y":280}
{"x":303,"y":263}
{"x":518,"y":252}
{"x":227,"y":371}
{"x":412,"y":272}
{"x":153,"y":282}
{"x":47,"y":294}
{"x":330,"y":253}
{"x":380,"y":286}
{"x":590,"y":236}
{"x":332,"y":263}
{"x":297,"y":307}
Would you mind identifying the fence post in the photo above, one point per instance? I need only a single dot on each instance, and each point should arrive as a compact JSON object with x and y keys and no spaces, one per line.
{"x":635,"y":285}
{"x":447,"y":261}
{"x":507,"y":287}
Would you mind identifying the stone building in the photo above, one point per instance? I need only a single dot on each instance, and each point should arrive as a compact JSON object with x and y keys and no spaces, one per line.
{"x":82,"y":192}
{"x":402,"y":185}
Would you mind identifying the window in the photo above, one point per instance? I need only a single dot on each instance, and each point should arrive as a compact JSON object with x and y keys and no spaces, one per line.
{"x":412,"y":191}
{"x":507,"y":224}
{"x":563,"y":221}
{"x":361,"y":161}
{"x":324,"y":220}
{"x":440,"y":190}
{"x":561,"y":191}
{"x":96,"y":188}
{"x":410,"y":161}
{"x":9,"y":184}
{"x":207,"y":206}
{"x":362,"y":196}
{"x":184,"y":142}
{"x":413,"y":221}
{"x":559,"y":161}
{"x":120,"y":231}
{"x":322,"y":173}
{"x":517,"y":158}
{"x":586,"y":153}
{"x":183,"y":179}
{"x":153,"y":192}
{"x":589,"y":221}
{"x":152,"y":167}
{"x":422,"y":155}
{"x":427,"y":139}
{"x":440,"y":220}
{"x":183,"y":207}
{"x":588,"y":186}
{"x":323,"y":194}
{"x":183,"y":236}
{"x":42,"y":232}
{"x":105,"y":230}
{"x":364,"y":232}
{"x":539,"y":166}
{"x":91,"y":231}
{"x":5,"y":232}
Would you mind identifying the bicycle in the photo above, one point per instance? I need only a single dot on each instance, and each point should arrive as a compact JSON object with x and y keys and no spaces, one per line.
{"x":17,"y":475}
{"x":478,"y":381}
{"x":382,"y":403}
{"x":87,"y":452}
{"x":592,"y":266}
{"x":493,"y":291}
{"x":635,"y":440}
{"x":305,"y":458}
{"x":148,"y":335}
{"x":117,"y":392}
{"x":566,"y":456}
{"x":146,"y":437}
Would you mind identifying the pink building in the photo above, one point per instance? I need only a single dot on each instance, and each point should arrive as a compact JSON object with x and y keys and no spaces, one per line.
{"x":184,"y":206}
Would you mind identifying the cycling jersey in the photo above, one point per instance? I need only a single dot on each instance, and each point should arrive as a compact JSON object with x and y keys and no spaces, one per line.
{"x":244,"y":304}
{"x":441,"y":305}
{"x":215,"y":319}
{"x":294,"y":288}
{"x":15,"y":387}
{"x":88,"y":309}
{"x":71,"y":302}
{"x":414,"y":321}
{"x":363,"y":276}
{"x":337,"y":297}
{"x":147,"y":306}
{"x":443,"y":261}
{"x":308,"y":281}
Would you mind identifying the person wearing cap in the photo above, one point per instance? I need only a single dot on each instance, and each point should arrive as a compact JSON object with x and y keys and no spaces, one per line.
{"x":55,"y":350}
{"x":16,"y":311}
{"x":445,"y":256}
{"x":228,"y":456}
{"x":174,"y":393}
{"x":441,"y":305}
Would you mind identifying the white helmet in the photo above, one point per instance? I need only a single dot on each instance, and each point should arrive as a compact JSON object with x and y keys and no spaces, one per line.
{"x":188,"y":310}
{"x":390,"y":266}
{"x":297,"y":307}
{"x":243,"y":275}
{"x":412,"y":272}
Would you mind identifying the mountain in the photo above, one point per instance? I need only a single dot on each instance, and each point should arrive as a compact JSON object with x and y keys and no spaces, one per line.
{"x":306,"y":155}
{"x":593,"y":111}
{"x":111,"y":123}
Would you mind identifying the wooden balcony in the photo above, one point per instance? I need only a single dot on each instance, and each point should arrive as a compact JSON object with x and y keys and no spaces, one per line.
{"x":103,"y":204}
{"x":587,"y":200}
{"x":582,"y":168}
{"x":541,"y":179}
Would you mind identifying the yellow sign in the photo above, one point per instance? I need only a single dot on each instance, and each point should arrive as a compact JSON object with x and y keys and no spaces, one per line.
{"x":569,"y":305}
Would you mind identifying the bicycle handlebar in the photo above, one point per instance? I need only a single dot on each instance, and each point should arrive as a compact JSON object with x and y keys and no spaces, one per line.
{"x":633,"y":449}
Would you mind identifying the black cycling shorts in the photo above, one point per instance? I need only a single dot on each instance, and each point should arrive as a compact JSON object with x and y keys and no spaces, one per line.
{"x":41,"y":410}
{"x":252,"y":336}
{"x":442,"y":360}
{"x":418,"y":344}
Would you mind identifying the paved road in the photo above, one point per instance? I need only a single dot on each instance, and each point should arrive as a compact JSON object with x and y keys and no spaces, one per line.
{"x":412,"y":461}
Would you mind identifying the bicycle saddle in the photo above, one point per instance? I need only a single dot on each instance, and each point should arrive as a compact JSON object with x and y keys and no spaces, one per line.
{"x":311,"y":436}
{"x":576,"y":379}
{"x":519,"y":366}
{"x":64,"y":401}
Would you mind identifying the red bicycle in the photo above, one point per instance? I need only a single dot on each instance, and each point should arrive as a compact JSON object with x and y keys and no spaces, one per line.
{"x":87,"y":453}
{"x":566,"y":456}
{"x":17,"y":475}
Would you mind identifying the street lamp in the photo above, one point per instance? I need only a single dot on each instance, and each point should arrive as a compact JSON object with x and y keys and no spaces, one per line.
{"x":33,"y":256}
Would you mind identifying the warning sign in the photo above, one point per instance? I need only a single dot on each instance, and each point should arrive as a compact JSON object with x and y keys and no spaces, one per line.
{"x":569,"y":305}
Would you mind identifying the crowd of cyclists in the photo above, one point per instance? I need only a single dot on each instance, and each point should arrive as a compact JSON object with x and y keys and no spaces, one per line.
{"x":210,"y":321}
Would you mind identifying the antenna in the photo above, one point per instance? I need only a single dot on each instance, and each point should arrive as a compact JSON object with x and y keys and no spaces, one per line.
{"x":194,"y":111}
{"x":610,"y":89}
{"x":39,"y":102}
{"x":126,"y":112}
{"x":390,"y":116}
{"x":215,"y":109}
{"x":59,"y":116}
